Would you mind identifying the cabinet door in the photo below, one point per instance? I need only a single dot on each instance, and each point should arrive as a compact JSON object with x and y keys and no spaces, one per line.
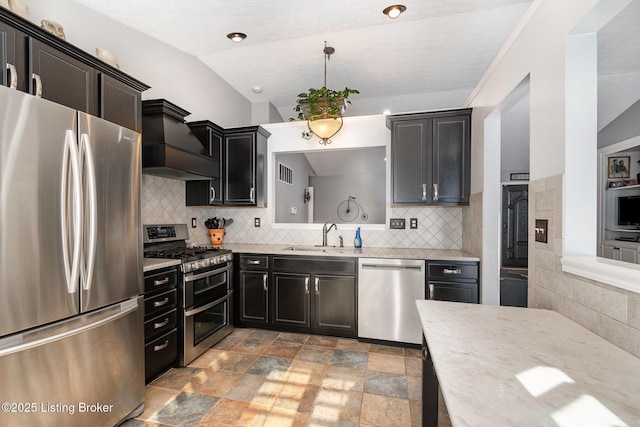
{"x":451,"y":161}
{"x":216,"y":152}
{"x":12,"y":59}
{"x":291,"y":306}
{"x":335,"y":304}
{"x":254,"y":289}
{"x":608,"y":251}
{"x":62,"y":79}
{"x":120,"y":103}
{"x":240,"y":168}
{"x":452,"y":291}
{"x":628,"y":255}
{"x":410,"y":159}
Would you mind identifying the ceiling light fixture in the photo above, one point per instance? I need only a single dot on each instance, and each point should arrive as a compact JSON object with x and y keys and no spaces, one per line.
{"x":236,"y":37}
{"x":394,"y":11}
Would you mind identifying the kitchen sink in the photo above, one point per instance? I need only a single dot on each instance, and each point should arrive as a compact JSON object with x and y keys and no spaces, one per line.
{"x":318,"y":248}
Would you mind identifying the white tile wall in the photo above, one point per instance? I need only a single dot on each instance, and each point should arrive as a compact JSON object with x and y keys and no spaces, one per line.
{"x":163,"y":201}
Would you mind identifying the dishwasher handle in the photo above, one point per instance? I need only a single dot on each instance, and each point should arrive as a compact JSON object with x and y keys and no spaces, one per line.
{"x":393,"y":267}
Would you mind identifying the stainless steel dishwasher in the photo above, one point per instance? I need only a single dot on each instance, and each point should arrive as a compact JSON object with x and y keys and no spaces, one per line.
{"x":387,"y":291}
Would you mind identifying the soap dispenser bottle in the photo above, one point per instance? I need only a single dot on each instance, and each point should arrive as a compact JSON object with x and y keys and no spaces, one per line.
{"x":357,"y":242}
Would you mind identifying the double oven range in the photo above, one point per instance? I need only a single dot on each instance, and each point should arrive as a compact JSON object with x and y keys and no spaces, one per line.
{"x":205,"y":289}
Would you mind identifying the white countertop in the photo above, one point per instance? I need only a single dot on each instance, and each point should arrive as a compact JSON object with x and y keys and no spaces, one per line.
{"x":509,"y":366}
{"x":365,"y":252}
{"x":149,"y":264}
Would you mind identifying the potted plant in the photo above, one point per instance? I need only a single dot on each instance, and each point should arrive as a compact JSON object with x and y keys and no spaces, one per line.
{"x":323,"y":103}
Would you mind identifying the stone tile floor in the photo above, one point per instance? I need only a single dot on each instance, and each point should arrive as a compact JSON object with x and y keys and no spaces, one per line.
{"x":267,"y":378}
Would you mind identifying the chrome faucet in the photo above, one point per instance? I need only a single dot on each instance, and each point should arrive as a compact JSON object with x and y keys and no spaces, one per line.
{"x":325,"y":231}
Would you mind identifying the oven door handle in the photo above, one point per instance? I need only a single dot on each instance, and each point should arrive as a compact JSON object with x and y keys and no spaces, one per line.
{"x":193,"y":312}
{"x":193,"y":277}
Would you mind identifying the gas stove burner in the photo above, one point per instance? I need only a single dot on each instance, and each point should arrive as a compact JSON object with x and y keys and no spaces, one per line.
{"x":183,"y":253}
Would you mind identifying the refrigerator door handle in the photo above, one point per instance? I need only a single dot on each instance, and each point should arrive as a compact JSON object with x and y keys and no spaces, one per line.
{"x":23,"y":342}
{"x":88,"y":170}
{"x":71,"y":155}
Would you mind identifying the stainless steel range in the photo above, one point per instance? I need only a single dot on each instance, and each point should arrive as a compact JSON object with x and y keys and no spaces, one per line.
{"x":205,"y":295}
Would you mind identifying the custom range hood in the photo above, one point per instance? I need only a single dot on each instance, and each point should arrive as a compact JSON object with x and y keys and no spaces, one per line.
{"x":169,"y":148}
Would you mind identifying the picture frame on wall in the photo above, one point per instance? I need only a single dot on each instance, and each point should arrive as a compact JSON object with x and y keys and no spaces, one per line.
{"x":618,"y":167}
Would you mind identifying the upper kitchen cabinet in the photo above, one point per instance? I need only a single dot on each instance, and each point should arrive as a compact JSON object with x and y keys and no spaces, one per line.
{"x":44,"y":65}
{"x":245,"y":161}
{"x":430,"y":155}
{"x":207,"y":193}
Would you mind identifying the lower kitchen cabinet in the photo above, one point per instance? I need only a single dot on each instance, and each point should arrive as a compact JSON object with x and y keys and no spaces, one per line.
{"x":160,"y":321}
{"x":291,"y":300}
{"x":297,"y":293}
{"x":453,"y":281}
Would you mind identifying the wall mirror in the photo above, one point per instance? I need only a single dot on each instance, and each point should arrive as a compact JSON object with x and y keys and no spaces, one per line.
{"x":345,"y":186}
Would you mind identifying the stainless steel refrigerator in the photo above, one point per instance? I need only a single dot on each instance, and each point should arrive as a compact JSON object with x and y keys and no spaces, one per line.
{"x":71,"y":337}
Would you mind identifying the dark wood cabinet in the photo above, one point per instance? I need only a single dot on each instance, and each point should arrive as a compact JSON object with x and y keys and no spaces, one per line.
{"x":298,"y":293}
{"x":245,"y":160}
{"x":335,"y":305}
{"x":12,"y":57}
{"x":430,"y":155}
{"x":453,"y":281}
{"x":61,"y":78}
{"x":120,"y":103}
{"x":207,"y":193}
{"x":291,"y":299}
{"x":160,"y":321}
{"x":39,"y":63}
{"x":253,"y":289}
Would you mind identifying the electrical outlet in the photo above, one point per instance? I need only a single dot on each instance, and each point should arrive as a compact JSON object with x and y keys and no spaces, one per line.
{"x":397,"y":224}
{"x":413,"y":223}
{"x":256,"y":222}
{"x":542,"y":226}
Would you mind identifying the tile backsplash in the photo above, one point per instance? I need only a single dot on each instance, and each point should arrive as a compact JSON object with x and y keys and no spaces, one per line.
{"x":163,"y":202}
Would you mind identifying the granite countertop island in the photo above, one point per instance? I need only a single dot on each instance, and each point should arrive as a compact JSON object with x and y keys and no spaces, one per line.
{"x":365,"y":252}
{"x":509,"y":366}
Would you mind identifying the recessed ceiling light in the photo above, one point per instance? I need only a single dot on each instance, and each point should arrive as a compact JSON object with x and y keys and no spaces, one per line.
{"x":236,"y":37}
{"x":256,"y":89}
{"x":394,"y":11}
{"x":386,"y":112}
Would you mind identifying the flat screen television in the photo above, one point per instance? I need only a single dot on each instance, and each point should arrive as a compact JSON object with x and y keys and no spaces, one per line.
{"x":629,"y":210}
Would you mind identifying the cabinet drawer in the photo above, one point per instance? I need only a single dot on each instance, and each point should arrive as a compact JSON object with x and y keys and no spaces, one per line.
{"x":252,"y":262}
{"x":160,"y":279}
{"x":293,"y":264}
{"x":160,"y":302}
{"x":452,"y":270}
{"x":160,"y":324}
{"x":160,"y":353}
{"x":452,"y":291}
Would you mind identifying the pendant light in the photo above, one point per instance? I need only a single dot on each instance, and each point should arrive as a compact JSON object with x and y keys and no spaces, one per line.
{"x":325,"y":125}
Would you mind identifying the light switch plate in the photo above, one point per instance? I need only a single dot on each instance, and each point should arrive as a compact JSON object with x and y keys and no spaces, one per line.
{"x":541,"y":230}
{"x":194,"y":224}
{"x":396,"y":224}
{"x":413,"y":223}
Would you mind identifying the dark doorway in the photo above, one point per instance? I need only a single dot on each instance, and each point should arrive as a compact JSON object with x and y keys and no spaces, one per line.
{"x":515,"y":207}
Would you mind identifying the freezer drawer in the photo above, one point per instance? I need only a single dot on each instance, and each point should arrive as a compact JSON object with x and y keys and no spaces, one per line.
{"x":86,"y":371}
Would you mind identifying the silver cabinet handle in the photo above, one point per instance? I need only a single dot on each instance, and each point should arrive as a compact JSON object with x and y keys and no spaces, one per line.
{"x":424,"y":191}
{"x":161,"y":303}
{"x":317,"y":286}
{"x":161,"y":324}
{"x":161,"y":281}
{"x":213,"y":194}
{"x":161,"y":346}
{"x":13,"y":76}
{"x":253,"y":262}
{"x":435,"y":191}
{"x":306,"y":285}
{"x":252,"y":194}
{"x":264,"y":282}
{"x":38,"y":83}
{"x":432,"y":290}
{"x":452,"y":271}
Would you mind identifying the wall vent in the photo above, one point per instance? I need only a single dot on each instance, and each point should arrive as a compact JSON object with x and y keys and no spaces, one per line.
{"x":285,"y":174}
